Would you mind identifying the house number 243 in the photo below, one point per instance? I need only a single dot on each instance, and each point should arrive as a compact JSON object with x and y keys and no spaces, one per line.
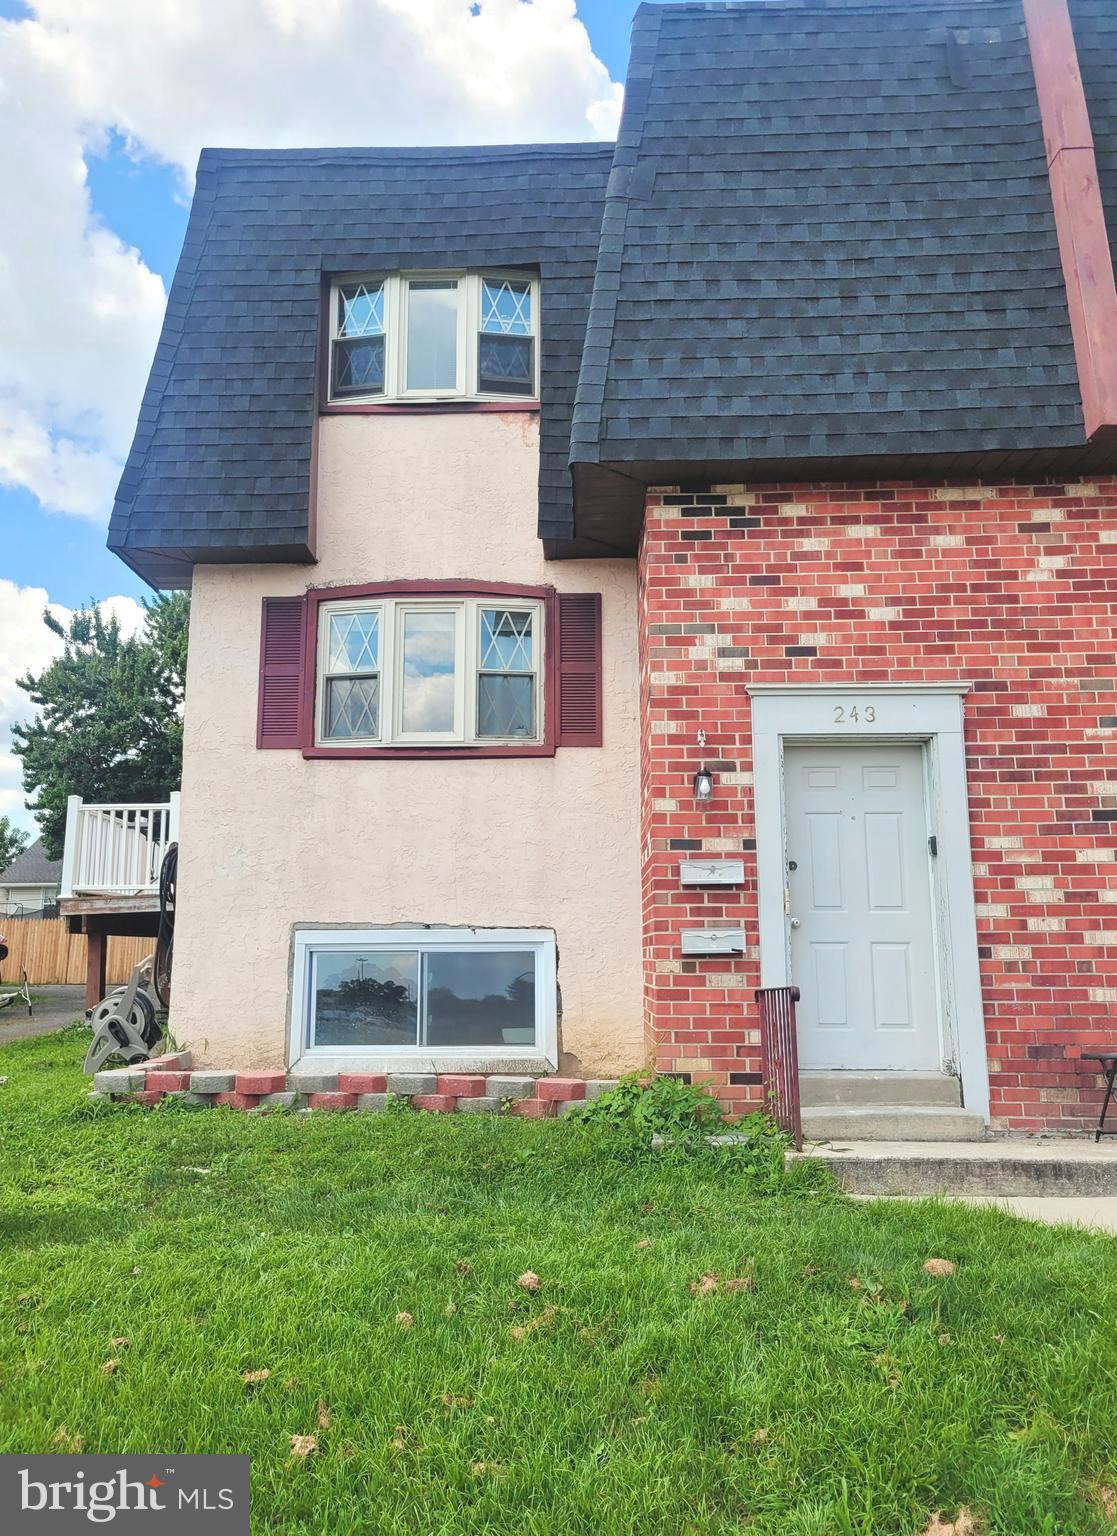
{"x":853,"y":714}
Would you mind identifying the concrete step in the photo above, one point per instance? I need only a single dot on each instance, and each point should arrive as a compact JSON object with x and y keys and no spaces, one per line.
{"x":840,"y":1087}
{"x":891,"y":1122}
{"x":1057,"y":1167}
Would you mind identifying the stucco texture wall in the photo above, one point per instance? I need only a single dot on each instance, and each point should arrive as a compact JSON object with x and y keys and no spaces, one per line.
{"x":269,"y":839}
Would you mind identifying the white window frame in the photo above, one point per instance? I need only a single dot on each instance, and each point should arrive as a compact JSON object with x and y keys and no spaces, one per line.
{"x":396,"y":286}
{"x":392,"y":612}
{"x":539,"y":942}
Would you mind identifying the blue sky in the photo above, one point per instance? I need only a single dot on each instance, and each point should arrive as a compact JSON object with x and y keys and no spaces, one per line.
{"x":141,"y":201}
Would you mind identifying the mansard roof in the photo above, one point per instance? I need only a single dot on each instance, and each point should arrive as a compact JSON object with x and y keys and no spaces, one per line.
{"x":829,"y":250}
{"x":221,"y":466}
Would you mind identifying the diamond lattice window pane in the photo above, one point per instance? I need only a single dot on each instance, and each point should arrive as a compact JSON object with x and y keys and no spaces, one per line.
{"x":354,"y":642}
{"x":352,"y":707}
{"x":359,"y":366}
{"x":505,"y":705}
{"x":505,"y":641}
{"x":505,"y":308}
{"x":360,"y":310}
{"x":505,"y":365}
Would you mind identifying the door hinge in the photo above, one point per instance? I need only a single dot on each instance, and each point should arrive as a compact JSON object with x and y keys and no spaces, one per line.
{"x":933,"y":846}
{"x":787,"y":901}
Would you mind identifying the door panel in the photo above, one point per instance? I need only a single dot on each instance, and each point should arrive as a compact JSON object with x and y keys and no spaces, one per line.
{"x":862,"y":953}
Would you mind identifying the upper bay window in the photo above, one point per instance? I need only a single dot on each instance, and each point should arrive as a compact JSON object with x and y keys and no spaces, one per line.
{"x":403,"y":671}
{"x":434,"y":336}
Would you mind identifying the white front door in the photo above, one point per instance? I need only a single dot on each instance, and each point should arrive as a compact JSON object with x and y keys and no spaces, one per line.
{"x":862,"y":947}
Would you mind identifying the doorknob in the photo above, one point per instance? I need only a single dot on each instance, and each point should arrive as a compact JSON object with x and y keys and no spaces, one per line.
{"x":795,"y":922}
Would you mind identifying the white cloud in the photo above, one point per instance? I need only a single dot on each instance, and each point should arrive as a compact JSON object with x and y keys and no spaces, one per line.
{"x":27,"y":645}
{"x":79,"y":311}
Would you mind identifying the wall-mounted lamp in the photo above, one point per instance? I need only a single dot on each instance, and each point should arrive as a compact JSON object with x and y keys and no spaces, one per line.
{"x":703,"y":784}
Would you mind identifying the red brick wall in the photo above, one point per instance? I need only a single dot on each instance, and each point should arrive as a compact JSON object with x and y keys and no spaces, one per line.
{"x":1010,"y":588}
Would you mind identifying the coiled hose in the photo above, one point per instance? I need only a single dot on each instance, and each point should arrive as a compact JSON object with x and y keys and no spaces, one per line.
{"x":165,"y":943}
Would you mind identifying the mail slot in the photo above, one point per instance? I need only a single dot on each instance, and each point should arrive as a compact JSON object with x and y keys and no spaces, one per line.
{"x":712,"y":872}
{"x":713,"y":941}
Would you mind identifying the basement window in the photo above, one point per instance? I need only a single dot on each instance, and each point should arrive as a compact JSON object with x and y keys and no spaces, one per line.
{"x":404,"y":991}
{"x":434,"y":336}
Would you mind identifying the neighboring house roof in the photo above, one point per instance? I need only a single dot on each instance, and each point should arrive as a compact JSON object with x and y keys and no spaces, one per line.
{"x":221,"y":464}
{"x":829,"y":250}
{"x":32,"y":867}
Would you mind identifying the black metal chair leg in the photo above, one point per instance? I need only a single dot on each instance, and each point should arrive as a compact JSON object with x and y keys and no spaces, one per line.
{"x":1110,"y":1078}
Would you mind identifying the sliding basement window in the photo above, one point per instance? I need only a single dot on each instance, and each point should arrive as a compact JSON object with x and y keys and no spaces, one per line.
{"x":386,"y":991}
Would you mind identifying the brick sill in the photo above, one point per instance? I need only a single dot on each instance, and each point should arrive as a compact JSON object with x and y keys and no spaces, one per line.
{"x":415,"y":754}
{"x":426,"y":407}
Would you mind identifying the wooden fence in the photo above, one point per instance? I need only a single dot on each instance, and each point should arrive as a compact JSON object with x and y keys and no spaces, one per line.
{"x":53,"y":957}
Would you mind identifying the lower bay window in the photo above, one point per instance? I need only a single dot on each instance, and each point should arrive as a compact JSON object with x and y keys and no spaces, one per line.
{"x":411,"y":671}
{"x":430,"y":669}
{"x":425,"y":993}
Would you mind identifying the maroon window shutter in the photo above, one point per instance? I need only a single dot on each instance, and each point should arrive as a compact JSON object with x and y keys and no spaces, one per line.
{"x":579,"y":669}
{"x":281,"y":672}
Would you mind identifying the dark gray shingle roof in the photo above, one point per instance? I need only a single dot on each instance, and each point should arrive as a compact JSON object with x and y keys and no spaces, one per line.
{"x":829,"y":237}
{"x":220,"y":467}
{"x":32,"y":867}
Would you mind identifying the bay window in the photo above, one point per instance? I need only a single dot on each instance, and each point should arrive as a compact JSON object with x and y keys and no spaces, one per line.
{"x":434,"y":336}
{"x":430,"y":671}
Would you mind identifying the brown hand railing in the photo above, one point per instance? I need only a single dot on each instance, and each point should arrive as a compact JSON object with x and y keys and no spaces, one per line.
{"x":779,"y":1058}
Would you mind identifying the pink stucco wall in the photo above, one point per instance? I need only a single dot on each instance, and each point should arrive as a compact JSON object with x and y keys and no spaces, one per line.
{"x":269,"y":839}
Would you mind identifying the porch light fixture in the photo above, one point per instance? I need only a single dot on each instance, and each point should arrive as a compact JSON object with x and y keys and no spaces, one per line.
{"x":703,"y":784}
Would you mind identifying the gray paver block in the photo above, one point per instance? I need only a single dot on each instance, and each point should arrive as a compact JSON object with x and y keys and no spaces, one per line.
{"x":213,"y":1082}
{"x":283,"y":1100}
{"x":485,"y":1104}
{"x":596,"y":1086}
{"x":405,"y":1084}
{"x":510,"y":1087}
{"x":118,"y":1080}
{"x":194,"y":1100}
{"x":97,"y":1097}
{"x":372,"y":1103}
{"x":312,"y":1082}
{"x":564,"y":1106}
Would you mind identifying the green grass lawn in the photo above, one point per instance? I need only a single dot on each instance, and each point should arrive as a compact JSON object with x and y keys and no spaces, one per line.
{"x":846,"y":1393}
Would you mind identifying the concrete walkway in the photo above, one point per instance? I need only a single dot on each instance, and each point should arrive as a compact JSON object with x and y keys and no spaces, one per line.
{"x":1059,"y":1168}
{"x":53,"y":1008}
{"x":1095,"y":1213}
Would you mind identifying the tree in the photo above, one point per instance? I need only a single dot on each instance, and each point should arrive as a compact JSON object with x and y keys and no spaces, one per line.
{"x":12,"y":842}
{"x":109,"y":722}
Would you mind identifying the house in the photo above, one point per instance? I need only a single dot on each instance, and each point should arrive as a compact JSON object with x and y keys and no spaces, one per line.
{"x":29,"y":885}
{"x":628,"y":575}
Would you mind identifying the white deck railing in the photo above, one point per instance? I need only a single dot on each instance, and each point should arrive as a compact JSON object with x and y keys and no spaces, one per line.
{"x":116,"y":849}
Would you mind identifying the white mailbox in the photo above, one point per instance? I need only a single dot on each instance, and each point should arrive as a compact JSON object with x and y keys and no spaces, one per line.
{"x":713,"y":941}
{"x":712,"y":872}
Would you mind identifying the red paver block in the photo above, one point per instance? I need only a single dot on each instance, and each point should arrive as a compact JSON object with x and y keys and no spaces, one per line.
{"x":166,"y":1082}
{"x":560,"y":1088}
{"x":176,"y":1061}
{"x":237,"y":1100}
{"x":332,"y":1100}
{"x":435,"y":1103}
{"x":362,"y":1082}
{"x":149,"y":1096}
{"x":461,"y":1087}
{"x":261,"y":1082}
{"x":534,"y":1109}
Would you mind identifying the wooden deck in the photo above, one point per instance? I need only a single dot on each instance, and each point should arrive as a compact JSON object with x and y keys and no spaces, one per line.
{"x":110,"y":876}
{"x":100,"y":917}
